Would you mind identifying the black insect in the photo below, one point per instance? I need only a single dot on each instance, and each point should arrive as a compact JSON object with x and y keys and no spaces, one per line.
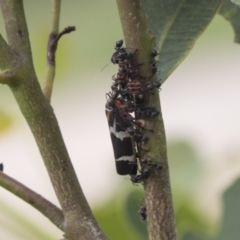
{"x":157,"y":165}
{"x":151,"y":86}
{"x":134,"y":88}
{"x":154,"y":53}
{"x":147,"y":112}
{"x":153,"y":62}
{"x":1,"y":167}
{"x":154,"y":67}
{"x":144,"y":174}
{"x":121,"y":53}
{"x":119,"y":120}
{"x":130,"y":72}
{"x":118,"y":45}
{"x":120,"y":81}
{"x":143,"y":213}
{"x":137,"y":133}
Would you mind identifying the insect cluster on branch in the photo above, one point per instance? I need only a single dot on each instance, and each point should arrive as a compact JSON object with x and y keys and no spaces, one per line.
{"x":123,"y":104}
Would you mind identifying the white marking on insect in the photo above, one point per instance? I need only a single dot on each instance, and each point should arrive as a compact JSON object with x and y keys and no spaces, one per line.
{"x":121,"y":134}
{"x":126,"y":158}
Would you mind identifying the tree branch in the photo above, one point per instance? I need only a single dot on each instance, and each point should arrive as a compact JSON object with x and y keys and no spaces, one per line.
{"x":16,"y":28}
{"x":79,"y":221}
{"x":52,"y":212}
{"x":6,"y":55}
{"x":161,"y":224}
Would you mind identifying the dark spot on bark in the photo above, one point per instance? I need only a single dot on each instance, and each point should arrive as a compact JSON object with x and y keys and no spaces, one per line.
{"x":64,"y":165}
{"x":20,"y":33}
{"x":31,"y":201}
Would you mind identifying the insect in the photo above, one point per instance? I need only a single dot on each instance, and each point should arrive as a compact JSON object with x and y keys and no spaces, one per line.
{"x":138,"y":135}
{"x":157,"y":165}
{"x":153,"y":62}
{"x":147,"y":112}
{"x":130,"y":72}
{"x":121,"y":53}
{"x":154,"y":53}
{"x":133,"y":90}
{"x":146,"y":167}
{"x":151,"y":86}
{"x":144,"y":174}
{"x":143,"y":213}
{"x":119,"y":119}
{"x":1,"y":167}
{"x":120,"y":81}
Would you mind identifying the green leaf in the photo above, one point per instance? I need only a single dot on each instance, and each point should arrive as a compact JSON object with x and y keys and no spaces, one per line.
{"x":191,"y":236}
{"x":236,"y":2}
{"x":188,"y":217}
{"x":177,"y":24}
{"x":114,"y":221}
{"x":134,"y":201}
{"x":186,"y":173}
{"x":185,"y":164}
{"x":230,"y":229}
{"x":231,"y":12}
{"x":20,"y":225}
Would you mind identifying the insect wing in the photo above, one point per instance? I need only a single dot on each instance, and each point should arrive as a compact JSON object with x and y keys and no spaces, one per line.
{"x":123,"y":145}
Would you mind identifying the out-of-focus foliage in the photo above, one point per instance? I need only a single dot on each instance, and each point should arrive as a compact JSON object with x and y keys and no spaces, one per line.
{"x":236,"y":2}
{"x":112,"y":219}
{"x":133,"y":202}
{"x":186,"y":175}
{"x":229,"y":229}
{"x":231,"y":12}
{"x":5,"y":121}
{"x":191,"y":236}
{"x":177,"y":25}
{"x":19,"y":226}
{"x":187,"y":172}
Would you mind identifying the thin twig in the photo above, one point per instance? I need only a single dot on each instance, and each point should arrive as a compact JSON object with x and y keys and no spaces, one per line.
{"x":52,"y":212}
{"x":55,"y":16}
{"x":53,"y":39}
{"x":50,"y":69}
{"x":53,"y":43}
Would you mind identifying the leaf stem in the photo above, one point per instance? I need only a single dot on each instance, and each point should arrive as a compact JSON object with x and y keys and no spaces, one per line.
{"x":161,"y":223}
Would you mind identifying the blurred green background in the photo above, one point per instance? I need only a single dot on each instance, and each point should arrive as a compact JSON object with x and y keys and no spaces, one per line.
{"x":201,"y":113}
